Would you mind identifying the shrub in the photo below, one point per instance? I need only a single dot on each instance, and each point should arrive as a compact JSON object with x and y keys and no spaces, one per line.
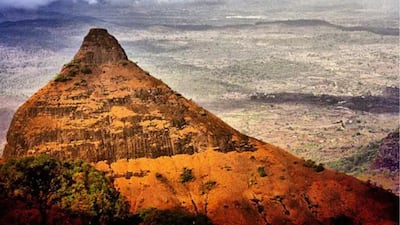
{"x":86,"y":70}
{"x":202,"y":113}
{"x":261,"y":171}
{"x":153,"y":216}
{"x":61,"y":78}
{"x":341,"y":220}
{"x":208,"y":186}
{"x":123,"y":62}
{"x":319,"y":168}
{"x":186,"y":175}
{"x":72,"y":64}
{"x":159,"y":176}
{"x":311,"y":164}
{"x":179,"y":122}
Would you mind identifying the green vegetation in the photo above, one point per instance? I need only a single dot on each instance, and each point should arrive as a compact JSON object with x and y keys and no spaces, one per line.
{"x":72,"y":64}
{"x":61,"y":78}
{"x":123,"y":62}
{"x":311,"y":164}
{"x":186,"y":175}
{"x":202,"y":113}
{"x":73,"y":72}
{"x":179,"y":122}
{"x":341,"y":220}
{"x":158,"y":175}
{"x":153,"y":216}
{"x":252,"y":181}
{"x":86,"y":70}
{"x":75,"y":187}
{"x":71,"y":69}
{"x":208,"y":186}
{"x":227,"y":168}
{"x":261,"y":171}
{"x":359,"y":162}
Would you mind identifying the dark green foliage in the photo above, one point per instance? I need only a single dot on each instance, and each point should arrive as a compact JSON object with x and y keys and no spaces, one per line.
{"x":186,"y":175}
{"x":358,"y":162}
{"x":208,"y":186}
{"x":86,"y":70}
{"x":153,"y":216}
{"x":179,"y":122}
{"x":76,"y":187}
{"x":319,"y":168}
{"x":202,"y":113}
{"x":72,"y":64}
{"x":72,"y":72}
{"x":261,"y":171}
{"x":341,"y":220}
{"x":311,"y":164}
{"x":61,"y":78}
{"x":123,"y":62}
{"x":159,"y":176}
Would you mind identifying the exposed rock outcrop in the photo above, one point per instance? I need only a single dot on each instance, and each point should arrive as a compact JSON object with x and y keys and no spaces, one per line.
{"x":388,"y":153}
{"x":100,"y":47}
{"x":103,"y":107}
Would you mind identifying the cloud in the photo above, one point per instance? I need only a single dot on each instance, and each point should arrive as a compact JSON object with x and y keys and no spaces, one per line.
{"x":131,"y":2}
{"x":24,"y":4}
{"x":34,"y":4}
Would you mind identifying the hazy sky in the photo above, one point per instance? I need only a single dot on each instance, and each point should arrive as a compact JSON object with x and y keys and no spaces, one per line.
{"x":32,"y":4}
{"x":386,"y":12}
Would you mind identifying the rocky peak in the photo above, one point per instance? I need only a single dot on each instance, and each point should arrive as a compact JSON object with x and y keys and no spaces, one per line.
{"x":99,"y":47}
{"x":102,"y":106}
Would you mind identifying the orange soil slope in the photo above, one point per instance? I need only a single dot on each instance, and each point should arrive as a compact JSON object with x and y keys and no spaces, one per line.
{"x":289,"y":194}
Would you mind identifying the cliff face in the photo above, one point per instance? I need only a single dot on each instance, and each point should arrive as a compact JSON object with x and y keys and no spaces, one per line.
{"x":99,"y":47}
{"x":103,"y":107}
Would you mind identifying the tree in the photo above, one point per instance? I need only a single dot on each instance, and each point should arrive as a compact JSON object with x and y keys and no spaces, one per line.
{"x":73,"y":186}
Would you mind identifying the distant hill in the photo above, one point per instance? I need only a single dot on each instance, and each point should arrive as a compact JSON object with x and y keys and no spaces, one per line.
{"x":316,"y":22}
{"x":388,"y":153}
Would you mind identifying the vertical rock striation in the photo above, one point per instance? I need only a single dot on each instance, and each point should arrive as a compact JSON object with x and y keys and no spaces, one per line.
{"x":103,"y":107}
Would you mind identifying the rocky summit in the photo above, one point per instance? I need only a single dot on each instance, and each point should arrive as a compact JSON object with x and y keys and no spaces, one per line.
{"x":99,"y":47}
{"x":103,"y":107}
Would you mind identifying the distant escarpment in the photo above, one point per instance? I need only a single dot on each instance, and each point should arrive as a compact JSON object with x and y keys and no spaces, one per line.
{"x":101,"y":106}
{"x":388,"y":153}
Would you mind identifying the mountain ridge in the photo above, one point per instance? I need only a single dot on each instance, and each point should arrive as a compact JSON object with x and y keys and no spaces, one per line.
{"x":165,"y":151}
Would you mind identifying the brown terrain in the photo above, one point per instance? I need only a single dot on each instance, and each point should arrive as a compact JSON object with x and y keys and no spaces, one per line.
{"x":164,"y":151}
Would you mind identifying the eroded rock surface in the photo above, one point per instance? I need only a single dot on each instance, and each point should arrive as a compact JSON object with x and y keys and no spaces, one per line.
{"x":103,"y":107}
